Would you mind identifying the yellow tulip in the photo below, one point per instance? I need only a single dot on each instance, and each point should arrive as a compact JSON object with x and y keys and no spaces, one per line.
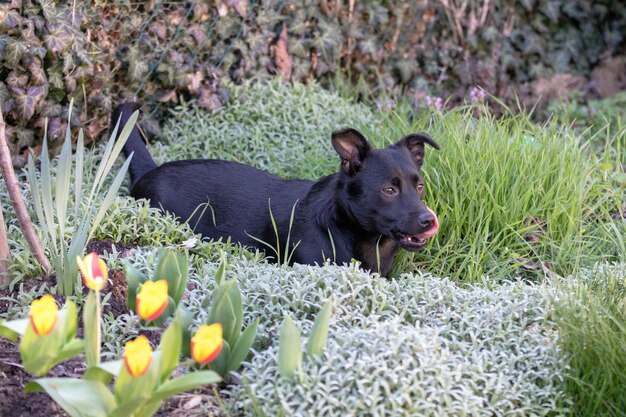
{"x":152,"y":299}
{"x":43,"y":315}
{"x":137,"y":356}
{"x":206,"y":344}
{"x":94,"y":271}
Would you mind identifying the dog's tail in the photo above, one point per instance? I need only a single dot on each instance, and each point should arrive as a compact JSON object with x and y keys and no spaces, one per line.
{"x":142,"y":161}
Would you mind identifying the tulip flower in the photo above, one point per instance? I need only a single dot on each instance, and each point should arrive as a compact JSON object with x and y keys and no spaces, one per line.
{"x":43,"y":315}
{"x":206,"y":344}
{"x":152,"y":299}
{"x":94,"y":271}
{"x":137,"y":356}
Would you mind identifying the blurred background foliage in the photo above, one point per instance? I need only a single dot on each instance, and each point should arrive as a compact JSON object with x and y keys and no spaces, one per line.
{"x":164,"y":52}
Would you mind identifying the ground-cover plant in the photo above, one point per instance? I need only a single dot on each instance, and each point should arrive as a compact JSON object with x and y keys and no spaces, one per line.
{"x":66,"y":234}
{"x":592,"y":332}
{"x":415,"y":345}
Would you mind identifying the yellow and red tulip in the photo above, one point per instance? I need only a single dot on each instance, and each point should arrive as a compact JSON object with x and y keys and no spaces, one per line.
{"x":137,"y":356}
{"x":152,"y":299}
{"x":207,"y":343}
{"x":94,"y":271}
{"x":43,"y":315}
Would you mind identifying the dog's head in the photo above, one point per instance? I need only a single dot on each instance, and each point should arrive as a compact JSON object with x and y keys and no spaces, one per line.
{"x":381,"y":189}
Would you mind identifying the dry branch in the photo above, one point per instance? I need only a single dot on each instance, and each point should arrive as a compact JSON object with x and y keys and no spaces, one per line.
{"x":26,"y":225}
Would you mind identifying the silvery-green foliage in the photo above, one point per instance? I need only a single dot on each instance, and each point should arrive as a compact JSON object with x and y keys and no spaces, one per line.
{"x":282,"y":129}
{"x":409,"y":346}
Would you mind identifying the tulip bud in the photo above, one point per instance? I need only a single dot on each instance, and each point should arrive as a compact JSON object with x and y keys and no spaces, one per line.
{"x":152,"y":299}
{"x":137,"y":356}
{"x":94,"y":271}
{"x":43,"y":315}
{"x":207,"y":343}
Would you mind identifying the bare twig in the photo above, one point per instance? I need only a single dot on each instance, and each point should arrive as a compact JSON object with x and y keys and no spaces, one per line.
{"x":4,"y":252}
{"x":6,"y":167}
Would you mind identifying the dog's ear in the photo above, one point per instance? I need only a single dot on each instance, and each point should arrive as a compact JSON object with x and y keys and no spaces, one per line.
{"x":352,"y":148}
{"x":415,"y":144}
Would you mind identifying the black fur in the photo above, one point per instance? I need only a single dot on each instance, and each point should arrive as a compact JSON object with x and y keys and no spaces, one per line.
{"x":366,"y":211}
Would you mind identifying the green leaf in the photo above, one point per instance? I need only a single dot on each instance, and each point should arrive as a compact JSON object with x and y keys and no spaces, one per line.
{"x":71,"y":319}
{"x":64,"y":170}
{"x":111,"y":368}
{"x":227,"y":309}
{"x":110,"y":196}
{"x":13,"y":329}
{"x":186,"y":383}
{"x":221,"y":270}
{"x":46,"y":193}
{"x":242,"y":347}
{"x":127,"y":386}
{"x":319,"y":334}
{"x":26,"y":101}
{"x":77,"y":397}
{"x":130,"y":407}
{"x":170,"y":346}
{"x":134,"y":278}
{"x":289,"y":348}
{"x":220,"y":363}
{"x":185,"y":320}
{"x":78,"y":174}
{"x":173,"y":267}
{"x":91,"y":322}
{"x":69,"y":350}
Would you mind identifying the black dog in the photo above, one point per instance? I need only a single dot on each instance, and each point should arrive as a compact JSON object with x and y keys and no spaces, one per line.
{"x":366,"y":211}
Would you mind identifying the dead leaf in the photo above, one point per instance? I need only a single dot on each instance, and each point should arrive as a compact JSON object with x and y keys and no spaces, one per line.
{"x":209,"y":100}
{"x":168,"y":96}
{"x":281,"y":54}
{"x":240,"y":6}
{"x":195,"y":81}
{"x":222,"y":8}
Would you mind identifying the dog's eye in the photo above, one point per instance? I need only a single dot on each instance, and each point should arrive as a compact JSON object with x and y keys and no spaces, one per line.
{"x":389,"y":190}
{"x":420,"y":188}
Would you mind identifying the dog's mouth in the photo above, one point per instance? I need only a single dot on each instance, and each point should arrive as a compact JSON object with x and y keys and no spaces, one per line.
{"x":418,"y":241}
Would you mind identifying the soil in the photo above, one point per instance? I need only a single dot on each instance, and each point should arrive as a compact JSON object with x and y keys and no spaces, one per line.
{"x":15,"y":403}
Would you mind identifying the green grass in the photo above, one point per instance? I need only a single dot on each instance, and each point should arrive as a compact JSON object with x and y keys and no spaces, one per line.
{"x":511,"y":195}
{"x":592,"y":332}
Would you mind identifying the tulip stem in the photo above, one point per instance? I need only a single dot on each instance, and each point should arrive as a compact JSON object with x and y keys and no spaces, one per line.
{"x":99,"y":326}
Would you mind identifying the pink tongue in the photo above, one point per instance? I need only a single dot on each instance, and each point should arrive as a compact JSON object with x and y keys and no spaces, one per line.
{"x":431,"y":232}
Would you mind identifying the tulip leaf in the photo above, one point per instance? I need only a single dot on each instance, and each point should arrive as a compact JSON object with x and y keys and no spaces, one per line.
{"x":221,"y":270}
{"x":289,"y":348}
{"x":227,"y":309}
{"x":174,"y":268}
{"x":69,"y":350}
{"x":91,"y":322}
{"x":71,"y":318}
{"x":220,"y":363}
{"x":77,"y":397}
{"x":319,"y":334}
{"x":13,"y":329}
{"x":104,"y":371}
{"x":185,"y":319}
{"x":171,"y":343}
{"x":242,"y":347}
{"x":127,"y":386}
{"x":185,"y":383}
{"x":130,"y":407}
{"x":134,"y":278}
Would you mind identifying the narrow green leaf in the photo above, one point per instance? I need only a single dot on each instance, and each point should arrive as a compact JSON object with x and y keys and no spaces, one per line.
{"x":319,"y":334}
{"x":221,"y":270}
{"x":64,"y":170}
{"x":69,"y":350}
{"x":171,"y":343}
{"x":13,"y":329}
{"x":35,"y":192}
{"x":289,"y":348}
{"x":79,"y":398}
{"x":91,"y":322}
{"x":185,"y":383}
{"x":242,"y":347}
{"x":78,"y":174}
{"x":130,"y":407}
{"x":105,"y":204}
{"x":46,"y":192}
{"x":220,"y":363}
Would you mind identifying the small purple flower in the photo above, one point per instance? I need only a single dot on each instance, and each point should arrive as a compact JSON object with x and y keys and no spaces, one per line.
{"x":386,"y":104}
{"x":436,"y":102}
{"x":477,"y":94}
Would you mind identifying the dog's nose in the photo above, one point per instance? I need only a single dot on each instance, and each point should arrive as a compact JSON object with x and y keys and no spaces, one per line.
{"x":426,"y":220}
